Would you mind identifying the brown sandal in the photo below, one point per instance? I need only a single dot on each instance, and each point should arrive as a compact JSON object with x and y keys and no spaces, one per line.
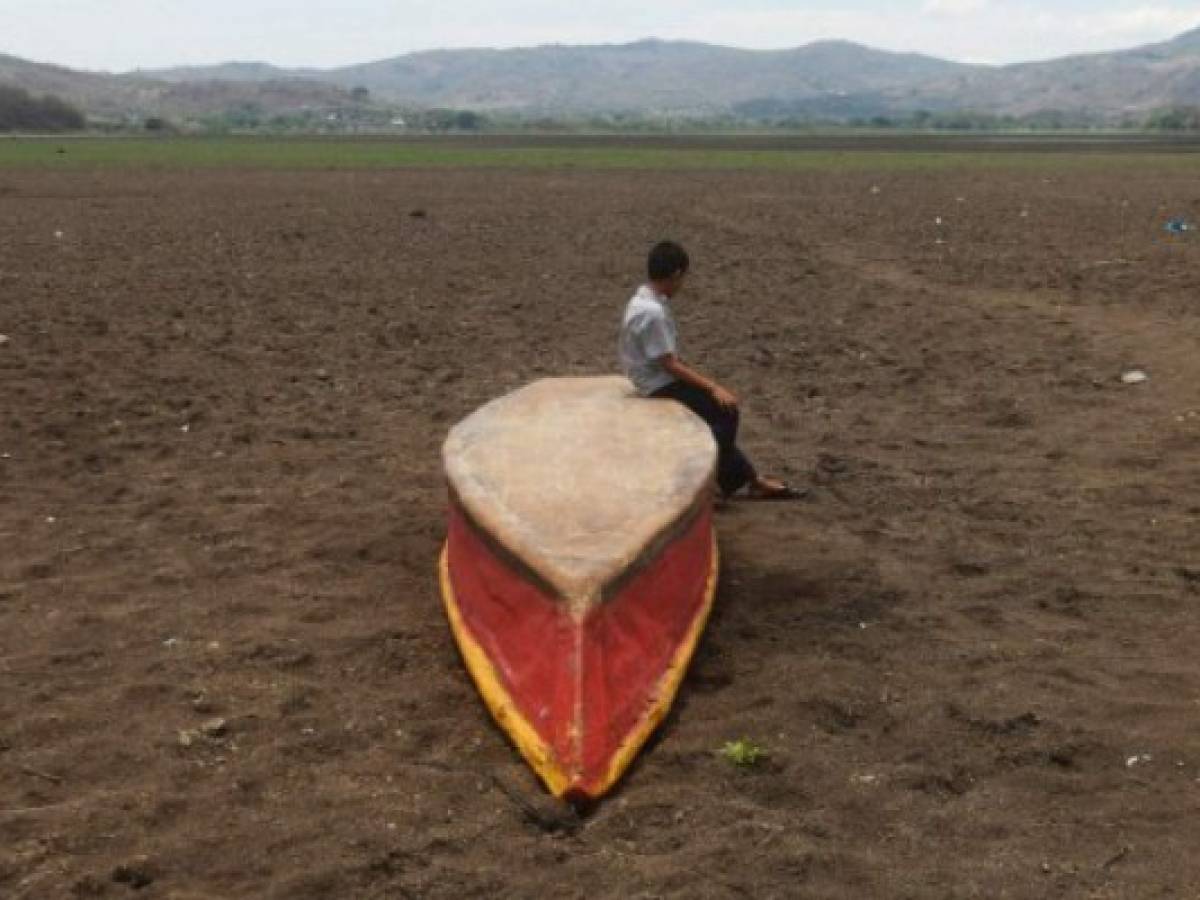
{"x":783,"y":492}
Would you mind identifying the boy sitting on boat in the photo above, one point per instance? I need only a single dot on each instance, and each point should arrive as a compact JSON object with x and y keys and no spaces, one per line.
{"x":649,"y":353}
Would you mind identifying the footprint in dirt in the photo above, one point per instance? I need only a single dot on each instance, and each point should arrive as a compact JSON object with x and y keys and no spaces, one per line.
{"x":830,"y":468}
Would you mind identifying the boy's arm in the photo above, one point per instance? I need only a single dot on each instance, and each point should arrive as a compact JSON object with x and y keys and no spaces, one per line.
{"x":676,"y":367}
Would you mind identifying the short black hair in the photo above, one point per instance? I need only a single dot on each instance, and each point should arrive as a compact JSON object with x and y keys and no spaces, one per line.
{"x":666,"y":259}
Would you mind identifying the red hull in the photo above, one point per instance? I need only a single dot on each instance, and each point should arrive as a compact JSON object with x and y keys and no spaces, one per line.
{"x":579,"y":691}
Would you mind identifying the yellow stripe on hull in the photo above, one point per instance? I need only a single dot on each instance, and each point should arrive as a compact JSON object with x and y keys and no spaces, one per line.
{"x":537,"y":752}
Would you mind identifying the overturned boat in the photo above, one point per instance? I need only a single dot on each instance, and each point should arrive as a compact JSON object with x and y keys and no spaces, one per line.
{"x":579,"y":568}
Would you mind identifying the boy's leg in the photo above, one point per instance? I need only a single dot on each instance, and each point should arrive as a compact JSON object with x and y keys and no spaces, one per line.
{"x":734,"y":470}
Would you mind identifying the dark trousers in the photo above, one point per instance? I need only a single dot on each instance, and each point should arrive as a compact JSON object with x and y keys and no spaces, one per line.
{"x":733,"y":469}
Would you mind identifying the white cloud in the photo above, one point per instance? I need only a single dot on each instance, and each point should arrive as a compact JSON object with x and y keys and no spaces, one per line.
{"x":1144,"y":20}
{"x":953,"y":7}
{"x":1100,"y":29}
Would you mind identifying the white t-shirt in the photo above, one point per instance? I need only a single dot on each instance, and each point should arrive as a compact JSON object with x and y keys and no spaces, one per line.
{"x":648,"y":333}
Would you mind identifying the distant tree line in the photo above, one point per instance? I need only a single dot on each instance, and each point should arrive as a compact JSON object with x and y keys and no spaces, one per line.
{"x":971,"y":120}
{"x":22,"y":111}
{"x":1175,"y":118}
{"x":251,"y":117}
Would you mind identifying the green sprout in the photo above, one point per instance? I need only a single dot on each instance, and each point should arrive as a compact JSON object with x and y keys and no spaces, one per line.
{"x":745,"y":754}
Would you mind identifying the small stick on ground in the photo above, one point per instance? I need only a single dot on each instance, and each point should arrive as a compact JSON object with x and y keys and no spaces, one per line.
{"x":30,"y":810}
{"x":45,"y":776}
{"x":549,"y":816}
{"x":1120,"y":855}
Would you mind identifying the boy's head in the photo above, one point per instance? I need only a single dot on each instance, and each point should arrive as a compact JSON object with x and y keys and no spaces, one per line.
{"x":667,"y":265}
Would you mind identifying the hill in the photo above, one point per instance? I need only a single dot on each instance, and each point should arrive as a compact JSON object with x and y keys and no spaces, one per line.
{"x":1108,"y":85}
{"x":830,"y":80}
{"x":662,"y":77}
{"x":137,"y":96}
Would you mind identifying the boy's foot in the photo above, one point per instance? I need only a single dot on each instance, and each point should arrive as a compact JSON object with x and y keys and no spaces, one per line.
{"x":773,"y":489}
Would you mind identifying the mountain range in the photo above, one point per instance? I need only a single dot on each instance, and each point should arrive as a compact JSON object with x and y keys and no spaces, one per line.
{"x":825,"y":80}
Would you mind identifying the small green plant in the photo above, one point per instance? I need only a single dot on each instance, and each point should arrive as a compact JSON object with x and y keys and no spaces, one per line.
{"x":744,"y":753}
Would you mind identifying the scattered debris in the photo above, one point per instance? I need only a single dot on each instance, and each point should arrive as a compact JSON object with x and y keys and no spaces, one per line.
{"x":213,"y":730}
{"x":1135,"y":376}
{"x":44,"y":776}
{"x":744,"y":753}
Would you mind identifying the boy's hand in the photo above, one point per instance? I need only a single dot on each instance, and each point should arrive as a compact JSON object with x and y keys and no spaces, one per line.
{"x":725,"y":399}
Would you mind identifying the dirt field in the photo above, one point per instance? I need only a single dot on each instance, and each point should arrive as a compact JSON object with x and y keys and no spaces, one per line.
{"x":971,"y":654}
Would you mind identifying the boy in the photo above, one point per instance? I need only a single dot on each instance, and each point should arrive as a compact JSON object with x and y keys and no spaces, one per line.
{"x":649,"y":348}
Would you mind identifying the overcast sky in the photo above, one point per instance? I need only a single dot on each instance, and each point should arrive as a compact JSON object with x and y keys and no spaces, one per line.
{"x":118,"y":35}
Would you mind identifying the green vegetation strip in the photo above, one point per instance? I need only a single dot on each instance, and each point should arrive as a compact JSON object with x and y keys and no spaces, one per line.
{"x":300,"y":153}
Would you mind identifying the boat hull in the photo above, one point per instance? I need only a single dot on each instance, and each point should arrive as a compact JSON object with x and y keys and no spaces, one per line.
{"x":579,"y":690}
